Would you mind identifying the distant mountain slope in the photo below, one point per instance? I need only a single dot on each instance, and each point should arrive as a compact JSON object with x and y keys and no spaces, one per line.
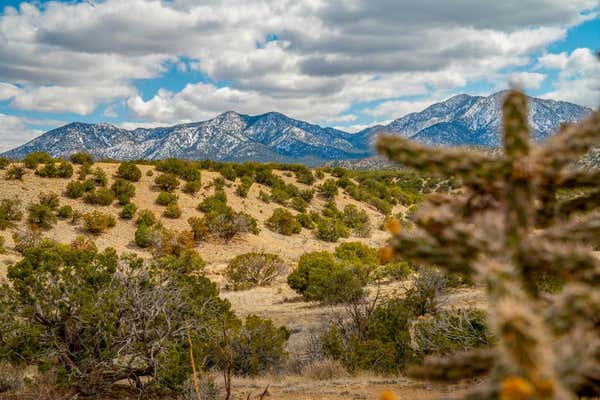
{"x":459,"y":121}
{"x":465,"y":120}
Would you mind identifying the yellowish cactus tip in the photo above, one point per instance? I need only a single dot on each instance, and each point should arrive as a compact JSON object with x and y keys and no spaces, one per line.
{"x":388,"y":395}
{"x":393,"y":226}
{"x":516,"y":388}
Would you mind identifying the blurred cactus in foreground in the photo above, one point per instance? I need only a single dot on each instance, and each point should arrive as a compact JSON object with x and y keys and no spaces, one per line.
{"x":511,"y":228}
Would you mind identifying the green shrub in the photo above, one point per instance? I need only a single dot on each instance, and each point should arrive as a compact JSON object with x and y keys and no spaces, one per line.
{"x":2,"y":251}
{"x":172,"y":211}
{"x":41,"y":216}
{"x":264,"y":197}
{"x":145,"y":236}
{"x":4,"y":162}
{"x":32,"y":160}
{"x":254,"y":269}
{"x":129,"y":171}
{"x":50,"y":170}
{"x":99,"y":177}
{"x":100,"y":196}
{"x":84,"y":171}
{"x":76,"y":189}
{"x":123,"y":190}
{"x":128,"y":211}
{"x":50,"y":199}
{"x":216,"y":203}
{"x":192,"y":187}
{"x":330,"y":230}
{"x":305,"y":176}
{"x":358,"y":255}
{"x":97,"y":222}
{"x":167,"y":182}
{"x":10,"y":213}
{"x":218,"y":184}
{"x":104,"y":300}
{"x":82,"y":158}
{"x":65,"y":212}
{"x":166,"y":198}
{"x":224,"y":225}
{"x":149,"y":173}
{"x":397,"y":270}
{"x":318,"y":277}
{"x":15,"y":172}
{"x":146,"y":217}
{"x":244,"y":186}
{"x":186,"y":170}
{"x":328,"y":189}
{"x":26,"y":239}
{"x":357,"y":220}
{"x":298,"y":204}
{"x":284,"y":222}
{"x":259,"y":346}
{"x":305,"y":221}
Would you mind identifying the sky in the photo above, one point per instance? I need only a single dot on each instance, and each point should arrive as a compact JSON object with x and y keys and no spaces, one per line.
{"x":342,"y":63}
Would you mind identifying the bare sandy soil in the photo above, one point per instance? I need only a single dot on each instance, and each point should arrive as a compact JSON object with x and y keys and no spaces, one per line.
{"x":277,"y":302}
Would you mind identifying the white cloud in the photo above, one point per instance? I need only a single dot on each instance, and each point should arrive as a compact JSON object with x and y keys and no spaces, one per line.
{"x":579,"y":77}
{"x":14,"y":131}
{"x":526,"y":80}
{"x":328,"y":54}
{"x":399,"y":108}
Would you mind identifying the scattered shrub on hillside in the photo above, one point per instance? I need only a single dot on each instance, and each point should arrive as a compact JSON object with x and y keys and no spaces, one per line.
{"x":186,"y":170}
{"x":123,"y":190}
{"x":264,"y":197}
{"x":2,"y":251}
{"x":172,"y":211}
{"x":129,"y":171}
{"x":15,"y":172}
{"x":149,"y":173}
{"x":10,"y":213}
{"x":319,"y":174}
{"x":32,"y":160}
{"x":101,"y":196}
{"x":41,"y":216}
{"x":65,"y":212}
{"x":225,"y":225}
{"x":192,"y":187}
{"x":319,"y":277}
{"x":50,"y":170}
{"x":330,"y":230}
{"x":284,"y":222}
{"x":358,"y":255}
{"x":396,"y":270}
{"x":328,"y":189}
{"x":216,"y":203}
{"x":298,"y":204}
{"x":244,"y":186}
{"x":305,"y":220}
{"x":146,"y":217}
{"x":218,"y":184}
{"x":84,"y":171}
{"x":76,"y":189}
{"x":96,"y":222}
{"x":166,"y":198}
{"x":167,"y":182}
{"x":146,"y":236}
{"x":254,"y":269}
{"x":99,"y":177}
{"x":49,"y":199}
{"x":357,"y":220}
{"x":4,"y":162}
{"x":305,"y":176}
{"x":82,"y":158}
{"x":128,"y":211}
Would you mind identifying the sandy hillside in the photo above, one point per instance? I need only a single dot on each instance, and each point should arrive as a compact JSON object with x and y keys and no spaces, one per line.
{"x":277,"y":302}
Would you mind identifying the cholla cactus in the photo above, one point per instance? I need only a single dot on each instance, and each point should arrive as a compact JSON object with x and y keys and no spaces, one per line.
{"x":508,"y":229}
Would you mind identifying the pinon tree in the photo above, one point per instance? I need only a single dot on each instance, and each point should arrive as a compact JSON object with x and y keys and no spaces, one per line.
{"x":523,"y":217}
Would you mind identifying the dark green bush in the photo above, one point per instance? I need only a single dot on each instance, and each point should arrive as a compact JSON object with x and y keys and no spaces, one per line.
{"x":76,"y":189}
{"x":264,"y":197}
{"x":10,"y":213}
{"x":4,"y":162}
{"x":244,"y":186}
{"x":82,"y":158}
{"x":167,"y":182}
{"x":254,"y":269}
{"x":15,"y":172}
{"x":65,"y":212}
{"x":100,"y":196}
{"x":96,"y":222}
{"x":318,"y":277}
{"x":166,"y":198}
{"x":50,"y":199}
{"x":284,"y":222}
{"x":357,"y":220}
{"x":225,"y":225}
{"x":305,"y":221}
{"x":128,"y":211}
{"x":99,"y":177}
{"x":330,"y":230}
{"x":123,"y":190}
{"x":129,"y":171}
{"x":50,"y":170}
{"x":146,"y":217}
{"x":192,"y":187}
{"x":305,"y":176}
{"x":32,"y":160}
{"x":328,"y":189}
{"x":216,"y":203}
{"x":41,"y":216}
{"x":186,"y":170}
{"x":145,"y":236}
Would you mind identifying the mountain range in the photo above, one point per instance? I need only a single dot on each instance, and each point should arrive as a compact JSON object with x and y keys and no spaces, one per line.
{"x":462,"y":120}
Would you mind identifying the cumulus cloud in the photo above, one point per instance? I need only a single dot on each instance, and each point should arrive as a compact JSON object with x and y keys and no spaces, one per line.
{"x":310,"y":59}
{"x":526,"y":80}
{"x":14,"y":131}
{"x":579,"y":77}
